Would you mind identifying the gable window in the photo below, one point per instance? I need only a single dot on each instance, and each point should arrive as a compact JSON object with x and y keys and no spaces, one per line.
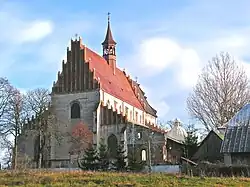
{"x":143,"y":155}
{"x":75,"y":111}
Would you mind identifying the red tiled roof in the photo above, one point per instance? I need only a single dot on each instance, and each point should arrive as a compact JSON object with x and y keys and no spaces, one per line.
{"x":116,"y":84}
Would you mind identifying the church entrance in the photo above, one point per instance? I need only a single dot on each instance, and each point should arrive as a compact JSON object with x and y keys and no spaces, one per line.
{"x":112,"y":146}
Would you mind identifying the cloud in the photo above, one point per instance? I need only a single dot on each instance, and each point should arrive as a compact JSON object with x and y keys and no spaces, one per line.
{"x":190,"y":68}
{"x":35,"y":31}
{"x":19,"y":30}
{"x":156,"y":55}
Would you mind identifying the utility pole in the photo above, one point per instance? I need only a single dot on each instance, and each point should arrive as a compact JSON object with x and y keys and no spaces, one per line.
{"x":149,"y":150}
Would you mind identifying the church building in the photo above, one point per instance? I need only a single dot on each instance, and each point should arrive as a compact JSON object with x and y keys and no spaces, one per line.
{"x":92,"y":93}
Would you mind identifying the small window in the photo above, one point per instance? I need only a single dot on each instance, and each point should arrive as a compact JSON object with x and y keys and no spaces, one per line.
{"x":136,"y":116}
{"x":139,"y":135}
{"x":143,"y":155}
{"x":75,"y":111}
{"x":131,"y":115}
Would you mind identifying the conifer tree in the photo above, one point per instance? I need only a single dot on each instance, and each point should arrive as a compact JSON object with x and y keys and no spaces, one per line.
{"x":120,"y":163}
{"x":103,"y":160}
{"x":190,"y":142}
{"x":90,"y":159}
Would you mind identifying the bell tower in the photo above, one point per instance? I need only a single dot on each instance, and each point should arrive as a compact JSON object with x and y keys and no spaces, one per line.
{"x":108,"y":45}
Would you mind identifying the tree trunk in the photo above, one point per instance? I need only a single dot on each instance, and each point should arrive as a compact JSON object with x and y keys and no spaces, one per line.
{"x":40,"y":151}
{"x":14,"y":159}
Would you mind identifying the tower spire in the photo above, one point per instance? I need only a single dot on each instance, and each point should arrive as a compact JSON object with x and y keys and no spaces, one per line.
{"x":108,"y":45}
{"x":109,"y":37}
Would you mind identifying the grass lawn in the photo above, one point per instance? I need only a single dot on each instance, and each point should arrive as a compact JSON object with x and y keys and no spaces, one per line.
{"x":78,"y":178}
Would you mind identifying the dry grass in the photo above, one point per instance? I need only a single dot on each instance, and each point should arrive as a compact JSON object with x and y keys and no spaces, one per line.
{"x":78,"y":178}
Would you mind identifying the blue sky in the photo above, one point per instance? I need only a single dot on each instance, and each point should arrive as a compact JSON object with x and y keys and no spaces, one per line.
{"x":164,"y":43}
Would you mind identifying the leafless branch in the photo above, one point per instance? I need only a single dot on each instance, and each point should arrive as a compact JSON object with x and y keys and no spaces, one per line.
{"x":222,"y":89}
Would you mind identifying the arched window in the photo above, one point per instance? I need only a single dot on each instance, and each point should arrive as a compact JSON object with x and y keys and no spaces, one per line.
{"x":143,"y":155}
{"x":75,"y":111}
{"x":112,"y":146}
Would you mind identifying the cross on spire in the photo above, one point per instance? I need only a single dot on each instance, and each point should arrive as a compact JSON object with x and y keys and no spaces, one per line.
{"x":109,"y":16}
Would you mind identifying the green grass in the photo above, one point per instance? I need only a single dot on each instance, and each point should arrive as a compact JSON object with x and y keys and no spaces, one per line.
{"x":76,"y":178}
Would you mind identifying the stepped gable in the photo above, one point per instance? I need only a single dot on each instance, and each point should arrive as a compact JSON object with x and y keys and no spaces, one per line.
{"x":116,"y":84}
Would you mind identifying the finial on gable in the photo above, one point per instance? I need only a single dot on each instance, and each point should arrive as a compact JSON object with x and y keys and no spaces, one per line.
{"x":76,"y":36}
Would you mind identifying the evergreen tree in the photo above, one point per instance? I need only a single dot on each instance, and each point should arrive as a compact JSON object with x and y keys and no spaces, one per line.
{"x":90,"y":159}
{"x":134,"y":165}
{"x":120,"y":163}
{"x":103,"y":160}
{"x":190,"y":142}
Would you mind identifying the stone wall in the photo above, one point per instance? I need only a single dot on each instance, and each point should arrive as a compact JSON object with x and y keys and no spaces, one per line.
{"x":141,"y":139}
{"x":89,"y":102}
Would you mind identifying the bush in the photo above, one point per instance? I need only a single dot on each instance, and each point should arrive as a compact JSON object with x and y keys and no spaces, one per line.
{"x":218,"y":170}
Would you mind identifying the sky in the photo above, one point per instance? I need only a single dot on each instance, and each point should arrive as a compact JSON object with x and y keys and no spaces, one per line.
{"x":163,"y":43}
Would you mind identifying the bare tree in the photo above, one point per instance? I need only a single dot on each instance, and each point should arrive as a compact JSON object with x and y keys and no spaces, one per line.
{"x":6,"y":92}
{"x":165,"y":125}
{"x":47,"y":126}
{"x":80,"y":139}
{"x":7,"y":149}
{"x":37,"y":104}
{"x":46,"y":129}
{"x":15,"y":119}
{"x":221,"y":91}
{"x":36,"y":100}
{"x":12,"y":115}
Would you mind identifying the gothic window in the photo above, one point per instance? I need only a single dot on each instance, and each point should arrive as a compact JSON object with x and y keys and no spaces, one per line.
{"x":143,"y":155}
{"x":112,"y":146}
{"x":75,"y":111}
{"x":131,"y":115}
{"x":136,"y":116}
